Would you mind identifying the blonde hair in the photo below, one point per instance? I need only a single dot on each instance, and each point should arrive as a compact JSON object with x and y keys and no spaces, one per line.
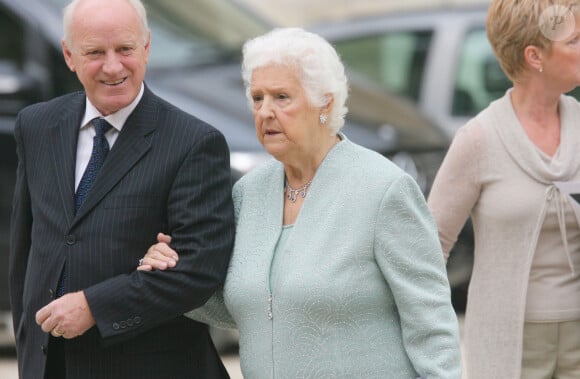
{"x":512,"y":25}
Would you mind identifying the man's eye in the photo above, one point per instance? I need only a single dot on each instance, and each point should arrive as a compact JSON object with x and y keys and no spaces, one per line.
{"x":93,"y":53}
{"x":126,"y":50}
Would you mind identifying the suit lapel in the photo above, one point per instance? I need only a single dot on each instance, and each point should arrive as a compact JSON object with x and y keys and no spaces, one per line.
{"x":133,"y":143}
{"x":64,"y":135}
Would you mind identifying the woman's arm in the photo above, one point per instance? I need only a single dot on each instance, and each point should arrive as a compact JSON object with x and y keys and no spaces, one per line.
{"x":457,"y":185}
{"x":409,"y":255}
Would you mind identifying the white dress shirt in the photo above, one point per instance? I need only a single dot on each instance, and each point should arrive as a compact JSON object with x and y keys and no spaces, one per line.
{"x":87,"y":132}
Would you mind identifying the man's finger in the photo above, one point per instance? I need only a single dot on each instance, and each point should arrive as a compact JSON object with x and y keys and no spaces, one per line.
{"x":42,"y":314}
{"x":48,"y":325}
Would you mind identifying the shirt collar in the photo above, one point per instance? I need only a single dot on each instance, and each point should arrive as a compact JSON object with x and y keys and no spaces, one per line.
{"x":116,"y":119}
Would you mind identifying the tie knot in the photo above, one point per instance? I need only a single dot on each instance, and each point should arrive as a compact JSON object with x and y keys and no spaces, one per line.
{"x":101,"y":126}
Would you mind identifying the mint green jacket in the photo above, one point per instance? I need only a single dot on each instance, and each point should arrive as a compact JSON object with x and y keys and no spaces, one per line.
{"x":361,"y":289}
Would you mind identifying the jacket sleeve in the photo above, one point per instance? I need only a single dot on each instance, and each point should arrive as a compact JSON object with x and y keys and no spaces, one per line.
{"x":409,"y":255}
{"x":214,"y":313}
{"x":20,"y":231}
{"x":201,"y":222}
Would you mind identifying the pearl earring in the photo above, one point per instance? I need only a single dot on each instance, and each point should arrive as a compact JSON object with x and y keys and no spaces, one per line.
{"x":323,"y":118}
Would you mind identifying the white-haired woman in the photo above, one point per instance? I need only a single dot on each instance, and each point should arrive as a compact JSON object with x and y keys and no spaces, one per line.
{"x":337,"y":269}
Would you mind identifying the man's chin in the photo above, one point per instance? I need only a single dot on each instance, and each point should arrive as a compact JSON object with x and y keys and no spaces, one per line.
{"x":112,"y":103}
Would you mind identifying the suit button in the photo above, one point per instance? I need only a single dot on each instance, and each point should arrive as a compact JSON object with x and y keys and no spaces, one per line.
{"x":70,"y":239}
{"x":43,"y":349}
{"x":137,"y":320}
{"x":130,"y":322}
{"x":115,"y":326}
{"x":123,"y":324}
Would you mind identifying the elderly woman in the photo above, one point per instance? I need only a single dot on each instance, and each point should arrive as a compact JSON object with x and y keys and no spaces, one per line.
{"x":511,"y":168}
{"x":337,"y":271}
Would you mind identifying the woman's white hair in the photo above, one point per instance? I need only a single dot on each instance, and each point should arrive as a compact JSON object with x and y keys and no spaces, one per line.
{"x":69,"y":11}
{"x":318,"y":66}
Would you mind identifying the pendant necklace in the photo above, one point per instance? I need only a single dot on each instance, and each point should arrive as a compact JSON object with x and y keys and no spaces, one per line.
{"x":292,"y":194}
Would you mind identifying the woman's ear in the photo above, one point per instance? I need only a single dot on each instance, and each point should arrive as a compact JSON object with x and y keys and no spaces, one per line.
{"x":534,"y":57}
{"x":329,"y":104}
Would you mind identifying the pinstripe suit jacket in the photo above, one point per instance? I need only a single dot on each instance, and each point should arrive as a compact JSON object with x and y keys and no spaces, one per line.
{"x":167,"y":171}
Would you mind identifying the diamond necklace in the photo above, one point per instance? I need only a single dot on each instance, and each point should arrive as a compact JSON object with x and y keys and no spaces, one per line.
{"x":292,"y":194}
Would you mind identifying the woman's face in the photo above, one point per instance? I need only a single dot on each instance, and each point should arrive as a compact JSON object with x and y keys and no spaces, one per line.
{"x":286,"y":124}
{"x":562,"y":65}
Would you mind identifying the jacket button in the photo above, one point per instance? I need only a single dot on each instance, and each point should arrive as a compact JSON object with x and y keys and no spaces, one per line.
{"x":123,"y":324}
{"x":70,"y":239}
{"x":116,"y":326}
{"x":137,"y":320}
{"x":130,"y":322}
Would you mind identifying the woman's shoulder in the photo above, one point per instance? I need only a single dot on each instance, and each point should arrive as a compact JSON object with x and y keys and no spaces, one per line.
{"x":570,"y":102}
{"x":496,"y":115}
{"x":359,"y":161}
{"x":258,"y":174}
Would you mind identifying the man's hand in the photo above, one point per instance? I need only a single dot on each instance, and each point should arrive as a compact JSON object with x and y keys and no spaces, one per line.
{"x":68,"y":316}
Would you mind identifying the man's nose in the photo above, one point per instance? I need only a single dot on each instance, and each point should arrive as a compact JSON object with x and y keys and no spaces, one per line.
{"x":112,"y":63}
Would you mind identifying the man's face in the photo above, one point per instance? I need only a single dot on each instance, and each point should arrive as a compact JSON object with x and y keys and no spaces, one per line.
{"x":109,"y":52}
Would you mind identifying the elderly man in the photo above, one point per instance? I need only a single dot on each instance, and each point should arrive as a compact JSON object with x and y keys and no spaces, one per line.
{"x":100,"y":173}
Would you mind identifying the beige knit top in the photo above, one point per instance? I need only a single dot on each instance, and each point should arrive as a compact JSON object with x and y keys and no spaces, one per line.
{"x":495,"y":174}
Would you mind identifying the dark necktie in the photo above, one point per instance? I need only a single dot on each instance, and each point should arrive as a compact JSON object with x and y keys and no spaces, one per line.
{"x":100,"y":150}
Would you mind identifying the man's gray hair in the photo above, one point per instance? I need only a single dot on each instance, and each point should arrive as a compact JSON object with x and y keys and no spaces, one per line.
{"x":69,"y":10}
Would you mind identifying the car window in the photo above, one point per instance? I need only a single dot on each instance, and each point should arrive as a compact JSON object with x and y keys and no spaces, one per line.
{"x":11,"y":54}
{"x":479,"y":77}
{"x":187,"y":36}
{"x":11,"y":42}
{"x":23,"y":53}
{"x":394,"y":60}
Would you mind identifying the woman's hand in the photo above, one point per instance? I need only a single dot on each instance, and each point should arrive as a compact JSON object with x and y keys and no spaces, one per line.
{"x":159,"y":256}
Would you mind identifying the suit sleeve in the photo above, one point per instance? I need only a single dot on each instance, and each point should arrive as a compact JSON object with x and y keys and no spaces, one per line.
{"x":215,"y":311}
{"x":409,"y":255}
{"x":201,"y":222}
{"x":20,"y":231}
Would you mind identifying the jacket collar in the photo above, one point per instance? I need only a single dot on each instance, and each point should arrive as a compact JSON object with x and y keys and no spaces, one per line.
{"x":133,"y":143}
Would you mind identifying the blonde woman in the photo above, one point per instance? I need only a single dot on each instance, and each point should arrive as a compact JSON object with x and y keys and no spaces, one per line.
{"x":504,"y":169}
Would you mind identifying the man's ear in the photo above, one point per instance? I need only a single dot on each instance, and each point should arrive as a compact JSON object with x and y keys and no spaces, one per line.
{"x":147,"y":47}
{"x":67,"y":53}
